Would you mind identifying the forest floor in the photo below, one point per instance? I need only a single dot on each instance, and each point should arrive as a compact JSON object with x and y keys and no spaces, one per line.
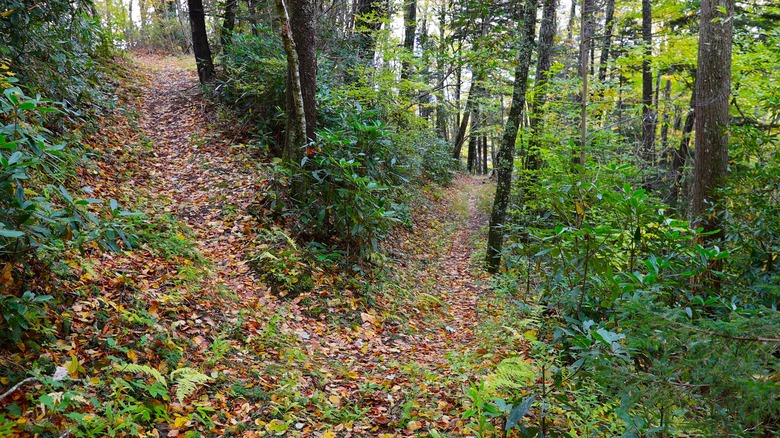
{"x":386,"y":350}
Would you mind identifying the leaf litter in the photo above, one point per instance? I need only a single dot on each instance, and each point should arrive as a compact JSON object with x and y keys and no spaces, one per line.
{"x":327,"y":363}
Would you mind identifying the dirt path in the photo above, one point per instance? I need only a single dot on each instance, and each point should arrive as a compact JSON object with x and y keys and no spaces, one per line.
{"x":396,"y":367}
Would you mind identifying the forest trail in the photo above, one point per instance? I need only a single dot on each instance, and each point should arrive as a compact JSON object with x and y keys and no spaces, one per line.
{"x":327,"y":361}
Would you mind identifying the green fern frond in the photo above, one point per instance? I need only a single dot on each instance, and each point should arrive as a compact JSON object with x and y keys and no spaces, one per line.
{"x":511,"y":373}
{"x":188,"y":380}
{"x":135,"y":368}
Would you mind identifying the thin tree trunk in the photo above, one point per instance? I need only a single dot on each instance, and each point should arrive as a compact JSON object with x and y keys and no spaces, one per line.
{"x":506,"y":152}
{"x":543,"y":65}
{"x":666,"y":115}
{"x":410,"y":30}
{"x":484,"y":155}
{"x":470,"y":103}
{"x":572,"y":17}
{"x":648,"y":115}
{"x":682,"y":153}
{"x":585,"y":42}
{"x":608,"y":25}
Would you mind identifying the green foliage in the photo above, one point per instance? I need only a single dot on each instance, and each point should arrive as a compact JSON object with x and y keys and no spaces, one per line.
{"x":655,"y":319}
{"x":39,"y":217}
{"x":282,"y":265}
{"x":254,"y":83}
{"x":58,"y":49}
{"x":25,"y":314}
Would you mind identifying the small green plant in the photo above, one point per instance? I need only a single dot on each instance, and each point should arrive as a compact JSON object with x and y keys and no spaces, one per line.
{"x":282,"y":264}
{"x":24,"y":314}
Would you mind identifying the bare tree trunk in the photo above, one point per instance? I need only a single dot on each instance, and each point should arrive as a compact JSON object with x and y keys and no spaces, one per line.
{"x":470,"y":103}
{"x":200,"y":42}
{"x":648,"y":115}
{"x":506,"y":152}
{"x":543,"y":65}
{"x":410,"y":30}
{"x":484,"y":155}
{"x":572,"y":17}
{"x":302,"y":16}
{"x":682,"y":153}
{"x":585,"y":42}
{"x":713,"y":88}
{"x":296,"y":115}
{"x":608,"y":25}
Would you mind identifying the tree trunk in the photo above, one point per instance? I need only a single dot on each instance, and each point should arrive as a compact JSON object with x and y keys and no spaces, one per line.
{"x":586,"y":36}
{"x":682,"y":154}
{"x":484,"y":155}
{"x":666,"y":115}
{"x":608,"y":25}
{"x":572,"y":16}
{"x":470,"y":103}
{"x":713,"y":88}
{"x":648,"y":115}
{"x":506,"y":153}
{"x":302,"y":16}
{"x":200,"y":42}
{"x":296,"y":115}
{"x":410,"y":30}
{"x":228,"y":23}
{"x":543,"y":64}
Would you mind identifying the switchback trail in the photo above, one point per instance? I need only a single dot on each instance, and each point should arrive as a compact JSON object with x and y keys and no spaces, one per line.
{"x":386,"y":353}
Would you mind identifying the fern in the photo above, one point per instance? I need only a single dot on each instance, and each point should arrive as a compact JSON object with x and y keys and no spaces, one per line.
{"x":188,"y":380}
{"x":135,"y":368}
{"x":511,"y":373}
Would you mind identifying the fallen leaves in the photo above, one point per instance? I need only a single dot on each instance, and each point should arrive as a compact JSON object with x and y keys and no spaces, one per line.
{"x":324,"y":364}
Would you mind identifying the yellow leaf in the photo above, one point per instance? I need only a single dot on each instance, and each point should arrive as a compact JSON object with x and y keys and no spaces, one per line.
{"x":179,"y":422}
{"x":328,"y":434}
{"x":4,"y":380}
{"x":335,"y":400}
{"x":7,"y":13}
{"x":132,"y":355}
{"x":73,"y":366}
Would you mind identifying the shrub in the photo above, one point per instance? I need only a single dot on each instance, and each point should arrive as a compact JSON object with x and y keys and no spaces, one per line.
{"x":39,"y":217}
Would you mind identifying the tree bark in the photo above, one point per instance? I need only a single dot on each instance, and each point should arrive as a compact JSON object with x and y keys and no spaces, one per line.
{"x":506,"y":153}
{"x":302,"y":16}
{"x":608,"y":25}
{"x":200,"y":41}
{"x":648,"y":115}
{"x":713,"y":89}
{"x":586,"y":37}
{"x":464,"y":122}
{"x":296,"y":115}
{"x":410,"y":31}
{"x":681,"y":155}
{"x":543,"y":65}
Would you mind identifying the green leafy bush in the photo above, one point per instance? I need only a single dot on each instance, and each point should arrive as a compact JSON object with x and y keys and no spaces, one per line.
{"x":668,"y":326}
{"x":39,"y":218}
{"x":254,"y":83}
